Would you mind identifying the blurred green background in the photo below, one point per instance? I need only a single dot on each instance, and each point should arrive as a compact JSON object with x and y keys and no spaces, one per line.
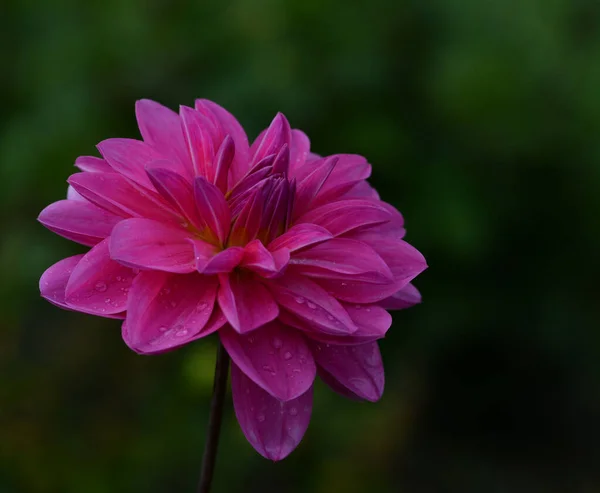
{"x":482,"y":121}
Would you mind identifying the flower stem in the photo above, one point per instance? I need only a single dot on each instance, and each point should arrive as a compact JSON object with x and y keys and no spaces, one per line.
{"x":214,"y":420}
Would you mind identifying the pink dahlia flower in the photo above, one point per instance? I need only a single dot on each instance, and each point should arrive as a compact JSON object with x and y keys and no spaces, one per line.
{"x":290,"y":256}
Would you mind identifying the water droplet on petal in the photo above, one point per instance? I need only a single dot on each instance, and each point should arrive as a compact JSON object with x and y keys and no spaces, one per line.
{"x":368,"y":309}
{"x":311,"y":305}
{"x":163,"y":329}
{"x":293,"y":411}
{"x":119,"y":278}
{"x":277,"y":342}
{"x":107,"y":301}
{"x":344,"y":284}
{"x":358,"y":307}
{"x":260,"y":418}
{"x":100,"y":286}
{"x":181,"y":333}
{"x":300,"y":300}
{"x":287,"y":356}
{"x":329,"y":317}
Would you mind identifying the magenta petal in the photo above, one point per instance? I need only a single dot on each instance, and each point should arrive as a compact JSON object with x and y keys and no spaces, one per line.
{"x":350,"y":170}
{"x":358,"y":368}
{"x":299,"y":149}
{"x":212,"y":208}
{"x":93,"y":164}
{"x":278,"y":134}
{"x":73,"y":194}
{"x":260,"y":260}
{"x":309,"y":187}
{"x":223,"y":262}
{"x":404,"y":298}
{"x":362,"y":190}
{"x":148,"y":244}
{"x":341,"y":258}
{"x":130,"y":158}
{"x":300,"y":236}
{"x":358,"y":291}
{"x":310,"y":302}
{"x":274,"y":428}
{"x":161,"y":128}
{"x":277,"y":358}
{"x":336,"y":386}
{"x":200,"y":139}
{"x":98,"y":284}
{"x":223,"y":162}
{"x":167,"y":310}
{"x":246,"y":303}
{"x":346,"y":215}
{"x":78,"y":221}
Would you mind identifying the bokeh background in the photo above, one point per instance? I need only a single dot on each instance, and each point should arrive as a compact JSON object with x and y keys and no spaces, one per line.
{"x":482,"y":121}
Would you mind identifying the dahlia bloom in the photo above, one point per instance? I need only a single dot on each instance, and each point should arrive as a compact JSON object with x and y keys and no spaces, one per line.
{"x":291,"y":257}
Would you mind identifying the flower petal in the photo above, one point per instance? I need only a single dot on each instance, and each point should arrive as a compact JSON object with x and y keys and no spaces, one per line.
{"x":309,"y":187}
{"x":246,"y":303}
{"x":93,"y":164}
{"x":358,"y":368}
{"x":78,"y":221}
{"x":212,"y":208}
{"x":404,"y":298}
{"x":161,"y":128}
{"x":148,"y":244}
{"x":168,"y":310}
{"x":98,"y":284}
{"x":299,"y":149}
{"x":223,"y":262}
{"x":260,"y":260}
{"x":349,"y":171}
{"x":130,"y":157}
{"x":270,"y":142}
{"x":273,"y":427}
{"x":341,"y":258}
{"x":358,"y":291}
{"x":275,"y":357}
{"x":345,"y":215}
{"x":307,"y":300}
{"x":300,"y":236}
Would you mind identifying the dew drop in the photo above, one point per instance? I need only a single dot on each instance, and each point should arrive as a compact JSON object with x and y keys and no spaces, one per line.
{"x":329,"y":317}
{"x":260,"y":418}
{"x":368,"y":309}
{"x":201,"y":306}
{"x":287,"y":356}
{"x":163,"y":329}
{"x":293,"y":411}
{"x":277,"y":342}
{"x":300,"y":300}
{"x":251,"y":340}
{"x":344,"y":284}
{"x":107,"y":301}
{"x":100,"y":286}
{"x":358,"y":307}
{"x":181,"y":333}
{"x":119,"y":278}
{"x":311,"y":305}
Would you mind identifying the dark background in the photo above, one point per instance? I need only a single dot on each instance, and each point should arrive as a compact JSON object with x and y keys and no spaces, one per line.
{"x":482,"y":121}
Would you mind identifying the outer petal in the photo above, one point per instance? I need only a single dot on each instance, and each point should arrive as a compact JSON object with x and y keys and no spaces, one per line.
{"x":93,"y":164}
{"x":275,"y":357}
{"x":358,"y":291}
{"x":246,"y":303}
{"x":346,"y":215}
{"x":78,"y":221}
{"x":299,"y":149}
{"x":349,"y":171}
{"x":310,"y":302}
{"x":406,"y":297}
{"x":148,"y":244}
{"x":130,"y":157}
{"x":161,"y":128}
{"x":273,"y":427}
{"x":223,"y":262}
{"x":53,"y":284}
{"x":168,"y":310}
{"x":341,"y":258}
{"x":260,"y":260}
{"x":358,"y":368}
{"x":300,"y":236}
{"x":310,"y":187}
{"x":98,"y":284}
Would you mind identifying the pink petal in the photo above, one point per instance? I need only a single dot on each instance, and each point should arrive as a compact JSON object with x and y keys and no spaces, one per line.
{"x":147,"y":244}
{"x":113,"y":193}
{"x":93,"y":164}
{"x":310,"y":302}
{"x":345,"y":215}
{"x":276,"y":135}
{"x":176,"y":190}
{"x":246,"y":303}
{"x":78,"y":221}
{"x":299,"y":148}
{"x":309,"y":187}
{"x":168,"y":310}
{"x":281,"y":163}
{"x":98,"y":284}
{"x":362,"y":190}
{"x":372,"y":321}
{"x":274,"y":428}
{"x":130,"y":157}
{"x":404,"y":298}
{"x":275,"y":357}
{"x":341,"y":258}
{"x":223,"y":262}
{"x":223,"y":162}
{"x":357,"y":368}
{"x":161,"y":128}
{"x":358,"y":291}
{"x":260,"y":260}
{"x":53,"y":285}
{"x":350,"y":170}
{"x":300,"y":236}
{"x":212,"y":208}
{"x":200,"y":140}
{"x":336,"y":386}
{"x":229,"y":126}
{"x":73,"y":194}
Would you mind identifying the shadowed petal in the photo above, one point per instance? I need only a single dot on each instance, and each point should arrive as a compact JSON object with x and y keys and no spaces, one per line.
{"x":307,"y":300}
{"x":336,"y":386}
{"x":260,"y":260}
{"x":223,"y":262}
{"x":350,"y":170}
{"x":273,"y":427}
{"x":98,"y":284}
{"x":148,"y":244}
{"x":275,"y":357}
{"x":404,"y":298}
{"x":78,"y":221}
{"x":358,"y":291}
{"x":167,"y":310}
{"x":300,"y":236}
{"x":309,"y":187}
{"x":271,"y":141}
{"x":358,"y":368}
{"x":246,"y":303}
{"x":212,"y":208}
